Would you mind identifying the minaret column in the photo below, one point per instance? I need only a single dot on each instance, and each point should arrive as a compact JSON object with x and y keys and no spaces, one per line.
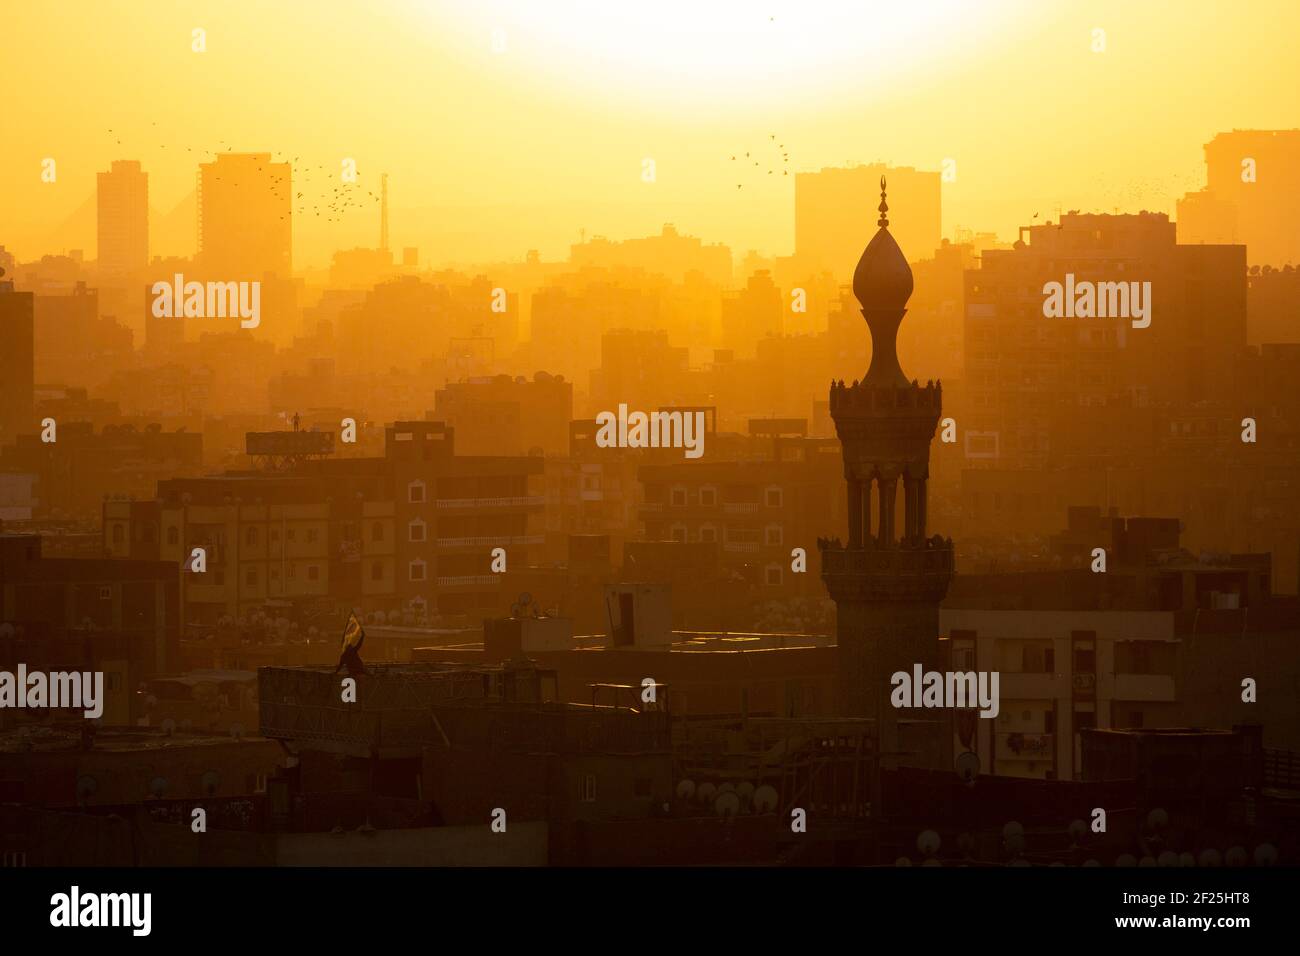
{"x":866,"y":510}
{"x":922,"y":484}
{"x":909,"y":506}
{"x":888,"y":495}
{"x":855,"y":512}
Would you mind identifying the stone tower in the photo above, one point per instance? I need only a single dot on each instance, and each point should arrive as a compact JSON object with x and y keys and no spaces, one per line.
{"x":889,"y":578}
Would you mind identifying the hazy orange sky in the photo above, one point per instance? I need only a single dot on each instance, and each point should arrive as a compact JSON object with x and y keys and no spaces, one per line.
{"x":491,"y":152}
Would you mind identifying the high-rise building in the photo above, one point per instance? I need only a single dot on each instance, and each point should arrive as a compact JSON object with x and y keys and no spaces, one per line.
{"x":751,"y":314}
{"x":888,"y":579}
{"x":832,"y":206}
{"x":502,"y":415}
{"x":1029,"y":375}
{"x":17,"y":361}
{"x":245,"y":217}
{"x":1250,"y":196}
{"x":122,"y":203}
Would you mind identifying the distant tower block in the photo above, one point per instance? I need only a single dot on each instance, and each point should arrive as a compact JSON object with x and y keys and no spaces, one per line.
{"x":888,"y":580}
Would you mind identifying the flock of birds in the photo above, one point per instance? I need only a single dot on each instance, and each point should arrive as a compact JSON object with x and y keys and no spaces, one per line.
{"x":752,"y":158}
{"x":332,"y":204}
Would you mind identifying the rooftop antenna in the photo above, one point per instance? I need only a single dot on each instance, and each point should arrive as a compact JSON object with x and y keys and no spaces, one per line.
{"x":383,"y":212}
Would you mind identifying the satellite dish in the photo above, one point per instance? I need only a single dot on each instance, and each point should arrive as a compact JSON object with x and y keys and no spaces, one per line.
{"x":1265,"y":854}
{"x":727,"y":788}
{"x":211,"y":782}
{"x":928,"y":842}
{"x":746,"y":791}
{"x":1211,"y":857}
{"x":1236,"y":856}
{"x":765,"y":799}
{"x":727,"y":804}
{"x":685,"y":789}
{"x":158,"y":786}
{"x":968,"y":767}
{"x":169,"y":726}
{"x":706,"y":793}
{"x":86,"y":786}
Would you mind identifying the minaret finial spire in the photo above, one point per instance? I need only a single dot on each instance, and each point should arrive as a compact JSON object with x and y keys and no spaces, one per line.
{"x":884,"y":206}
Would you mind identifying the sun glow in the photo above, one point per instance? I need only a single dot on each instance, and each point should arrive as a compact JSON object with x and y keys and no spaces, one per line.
{"x":733,"y":54}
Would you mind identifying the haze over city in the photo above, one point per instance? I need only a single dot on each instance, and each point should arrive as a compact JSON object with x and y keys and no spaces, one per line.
{"x":493,"y":153}
{"x":637,"y":436}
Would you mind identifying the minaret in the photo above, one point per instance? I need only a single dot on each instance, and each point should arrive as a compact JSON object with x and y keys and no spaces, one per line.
{"x":888,"y":580}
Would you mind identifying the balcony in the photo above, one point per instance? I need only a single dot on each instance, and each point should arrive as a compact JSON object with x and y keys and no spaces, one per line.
{"x":740,"y":507}
{"x":1031,"y":685}
{"x":1145,"y":687}
{"x":741,"y":547}
{"x":490,"y":541}
{"x":467,"y":580}
{"x":473,"y":504}
{"x":916,"y":571}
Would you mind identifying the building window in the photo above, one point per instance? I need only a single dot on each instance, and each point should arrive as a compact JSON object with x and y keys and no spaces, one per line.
{"x":290,"y":535}
{"x":773,"y":575}
{"x":173,"y":535}
{"x":679,"y":533}
{"x":250,"y":535}
{"x":677,"y":497}
{"x":377,"y":571}
{"x":113,"y":680}
{"x":377,"y":531}
{"x":119,"y":534}
{"x":415,"y":531}
{"x":589,"y":788}
{"x":313,"y":572}
{"x":774,"y":497}
{"x":708,"y":496}
{"x":250,"y":577}
{"x":415,"y":572}
{"x":415,"y":493}
{"x":311,"y":535}
{"x":275,"y":534}
{"x":772,"y":535}
{"x":1038,"y":660}
{"x":708,"y":533}
{"x":275,"y":574}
